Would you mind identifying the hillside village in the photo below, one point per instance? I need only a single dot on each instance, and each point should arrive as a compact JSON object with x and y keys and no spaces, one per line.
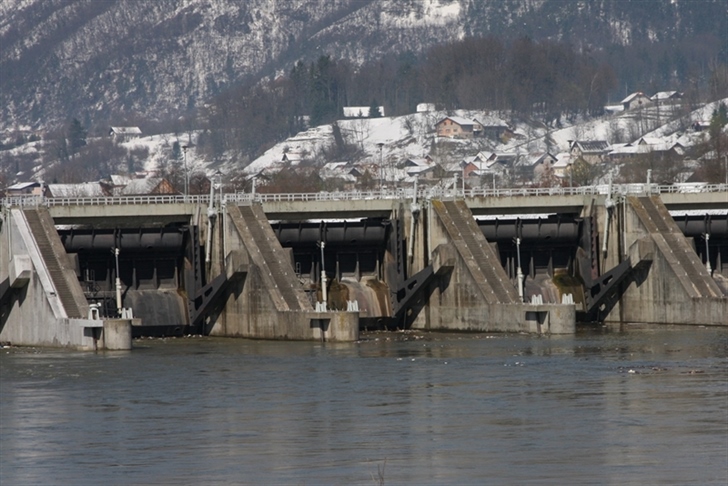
{"x":644,"y":136}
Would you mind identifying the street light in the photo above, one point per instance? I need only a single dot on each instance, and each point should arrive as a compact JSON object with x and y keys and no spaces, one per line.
{"x":219,"y":175}
{"x":322,"y":244}
{"x":707,"y":254}
{"x":115,"y":251}
{"x":519,"y":272}
{"x":380,"y":145}
{"x":571,"y":174}
{"x":463,"y":181}
{"x":187,"y":172}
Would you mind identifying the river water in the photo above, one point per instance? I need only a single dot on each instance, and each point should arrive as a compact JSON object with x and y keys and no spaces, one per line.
{"x":643,"y":407}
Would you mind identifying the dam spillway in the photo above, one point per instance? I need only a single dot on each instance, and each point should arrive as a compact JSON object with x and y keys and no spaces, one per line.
{"x":253,"y":265}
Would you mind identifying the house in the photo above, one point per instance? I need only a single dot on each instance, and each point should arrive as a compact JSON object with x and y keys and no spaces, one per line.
{"x":534,"y":166}
{"x":494,"y":127}
{"x":562,"y":165}
{"x":497,"y":131}
{"x":448,"y":169}
{"x":458,"y":127}
{"x":124,"y":134}
{"x":646,"y":146}
{"x":613,"y":109}
{"x":503,"y":161}
{"x":118,"y":180}
{"x":346,"y":172}
{"x":700,"y":125}
{"x":542,"y":166}
{"x":83,"y":189}
{"x":425,"y":107}
{"x":479,"y":164}
{"x":419,"y":167}
{"x":293,"y":158}
{"x":143,"y":187}
{"x":359,"y":111}
{"x":636,"y":100}
{"x":666,"y":97}
{"x":592,"y":151}
{"x":25,"y":189}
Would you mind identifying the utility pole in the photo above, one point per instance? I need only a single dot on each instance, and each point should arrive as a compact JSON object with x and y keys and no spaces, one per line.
{"x":187,"y":172}
{"x":115,"y":251}
{"x":380,"y":145}
{"x":322,"y":244}
{"x":707,"y":254}
{"x":519,"y":272}
{"x":649,"y":176}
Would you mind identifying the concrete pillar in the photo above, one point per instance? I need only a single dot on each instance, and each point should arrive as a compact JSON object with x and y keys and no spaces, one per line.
{"x":343,"y":327}
{"x":117,"y":334}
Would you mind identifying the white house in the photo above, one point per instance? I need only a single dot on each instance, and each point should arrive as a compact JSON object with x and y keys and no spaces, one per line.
{"x":636,"y":100}
{"x":82,"y":189}
{"x":666,"y":97}
{"x":359,"y":111}
{"x":124,"y":134}
{"x":25,"y":189}
{"x":592,"y":151}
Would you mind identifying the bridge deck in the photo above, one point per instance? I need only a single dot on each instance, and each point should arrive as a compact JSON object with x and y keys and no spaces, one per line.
{"x":164,"y":209}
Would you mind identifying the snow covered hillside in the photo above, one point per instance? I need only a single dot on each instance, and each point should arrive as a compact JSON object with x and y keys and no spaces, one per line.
{"x":103,"y":60}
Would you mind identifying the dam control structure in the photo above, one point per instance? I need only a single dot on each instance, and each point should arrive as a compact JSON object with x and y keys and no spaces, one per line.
{"x":92,"y":273}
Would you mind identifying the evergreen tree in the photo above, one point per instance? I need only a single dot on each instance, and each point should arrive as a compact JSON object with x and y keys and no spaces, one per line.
{"x":374,"y":111}
{"x":719,"y":119}
{"x":76,"y":136}
{"x":717,"y":122}
{"x":176,"y":151}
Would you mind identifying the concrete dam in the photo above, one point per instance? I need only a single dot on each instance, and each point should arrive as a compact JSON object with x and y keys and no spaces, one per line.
{"x":92,"y":273}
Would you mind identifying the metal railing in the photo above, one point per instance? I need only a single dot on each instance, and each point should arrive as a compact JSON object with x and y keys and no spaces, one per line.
{"x":427,"y":193}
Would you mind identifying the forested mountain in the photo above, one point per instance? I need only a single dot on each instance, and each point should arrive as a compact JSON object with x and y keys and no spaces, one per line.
{"x":117,"y":61}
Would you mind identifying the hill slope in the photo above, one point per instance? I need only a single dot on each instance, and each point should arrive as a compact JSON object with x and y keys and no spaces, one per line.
{"x":103,"y":60}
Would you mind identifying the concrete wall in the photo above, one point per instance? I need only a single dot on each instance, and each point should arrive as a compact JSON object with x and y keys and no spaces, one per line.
{"x":33,"y":316}
{"x":654,"y":294}
{"x":456,"y":303}
{"x":251,"y":312}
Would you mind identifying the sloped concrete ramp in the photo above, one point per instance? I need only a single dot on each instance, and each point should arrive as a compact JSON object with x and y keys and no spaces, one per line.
{"x":473,"y":291}
{"x":267,"y":253}
{"x":46,"y":306}
{"x":271,"y":303}
{"x":677,"y":288}
{"x":476,"y":253}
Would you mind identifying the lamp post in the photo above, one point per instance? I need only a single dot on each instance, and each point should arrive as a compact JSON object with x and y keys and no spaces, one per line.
{"x":322,"y":244}
{"x":115,"y":251}
{"x":571,"y":174}
{"x":519,"y":272}
{"x":649,"y":177}
{"x":380,"y":145}
{"x":187,"y":172}
{"x":463,"y":181}
{"x":219,"y":175}
{"x":707,"y":254}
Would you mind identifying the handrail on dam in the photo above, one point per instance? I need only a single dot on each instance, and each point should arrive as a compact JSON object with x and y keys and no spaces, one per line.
{"x":428,"y":193}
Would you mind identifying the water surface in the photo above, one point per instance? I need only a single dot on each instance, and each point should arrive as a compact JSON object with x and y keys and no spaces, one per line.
{"x":644,"y":407}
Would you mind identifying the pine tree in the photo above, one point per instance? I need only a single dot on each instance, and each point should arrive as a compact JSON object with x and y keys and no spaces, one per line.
{"x":374,"y":111}
{"x":76,"y":136}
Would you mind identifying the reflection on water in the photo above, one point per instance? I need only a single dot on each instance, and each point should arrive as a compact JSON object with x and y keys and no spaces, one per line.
{"x":647,"y":407}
